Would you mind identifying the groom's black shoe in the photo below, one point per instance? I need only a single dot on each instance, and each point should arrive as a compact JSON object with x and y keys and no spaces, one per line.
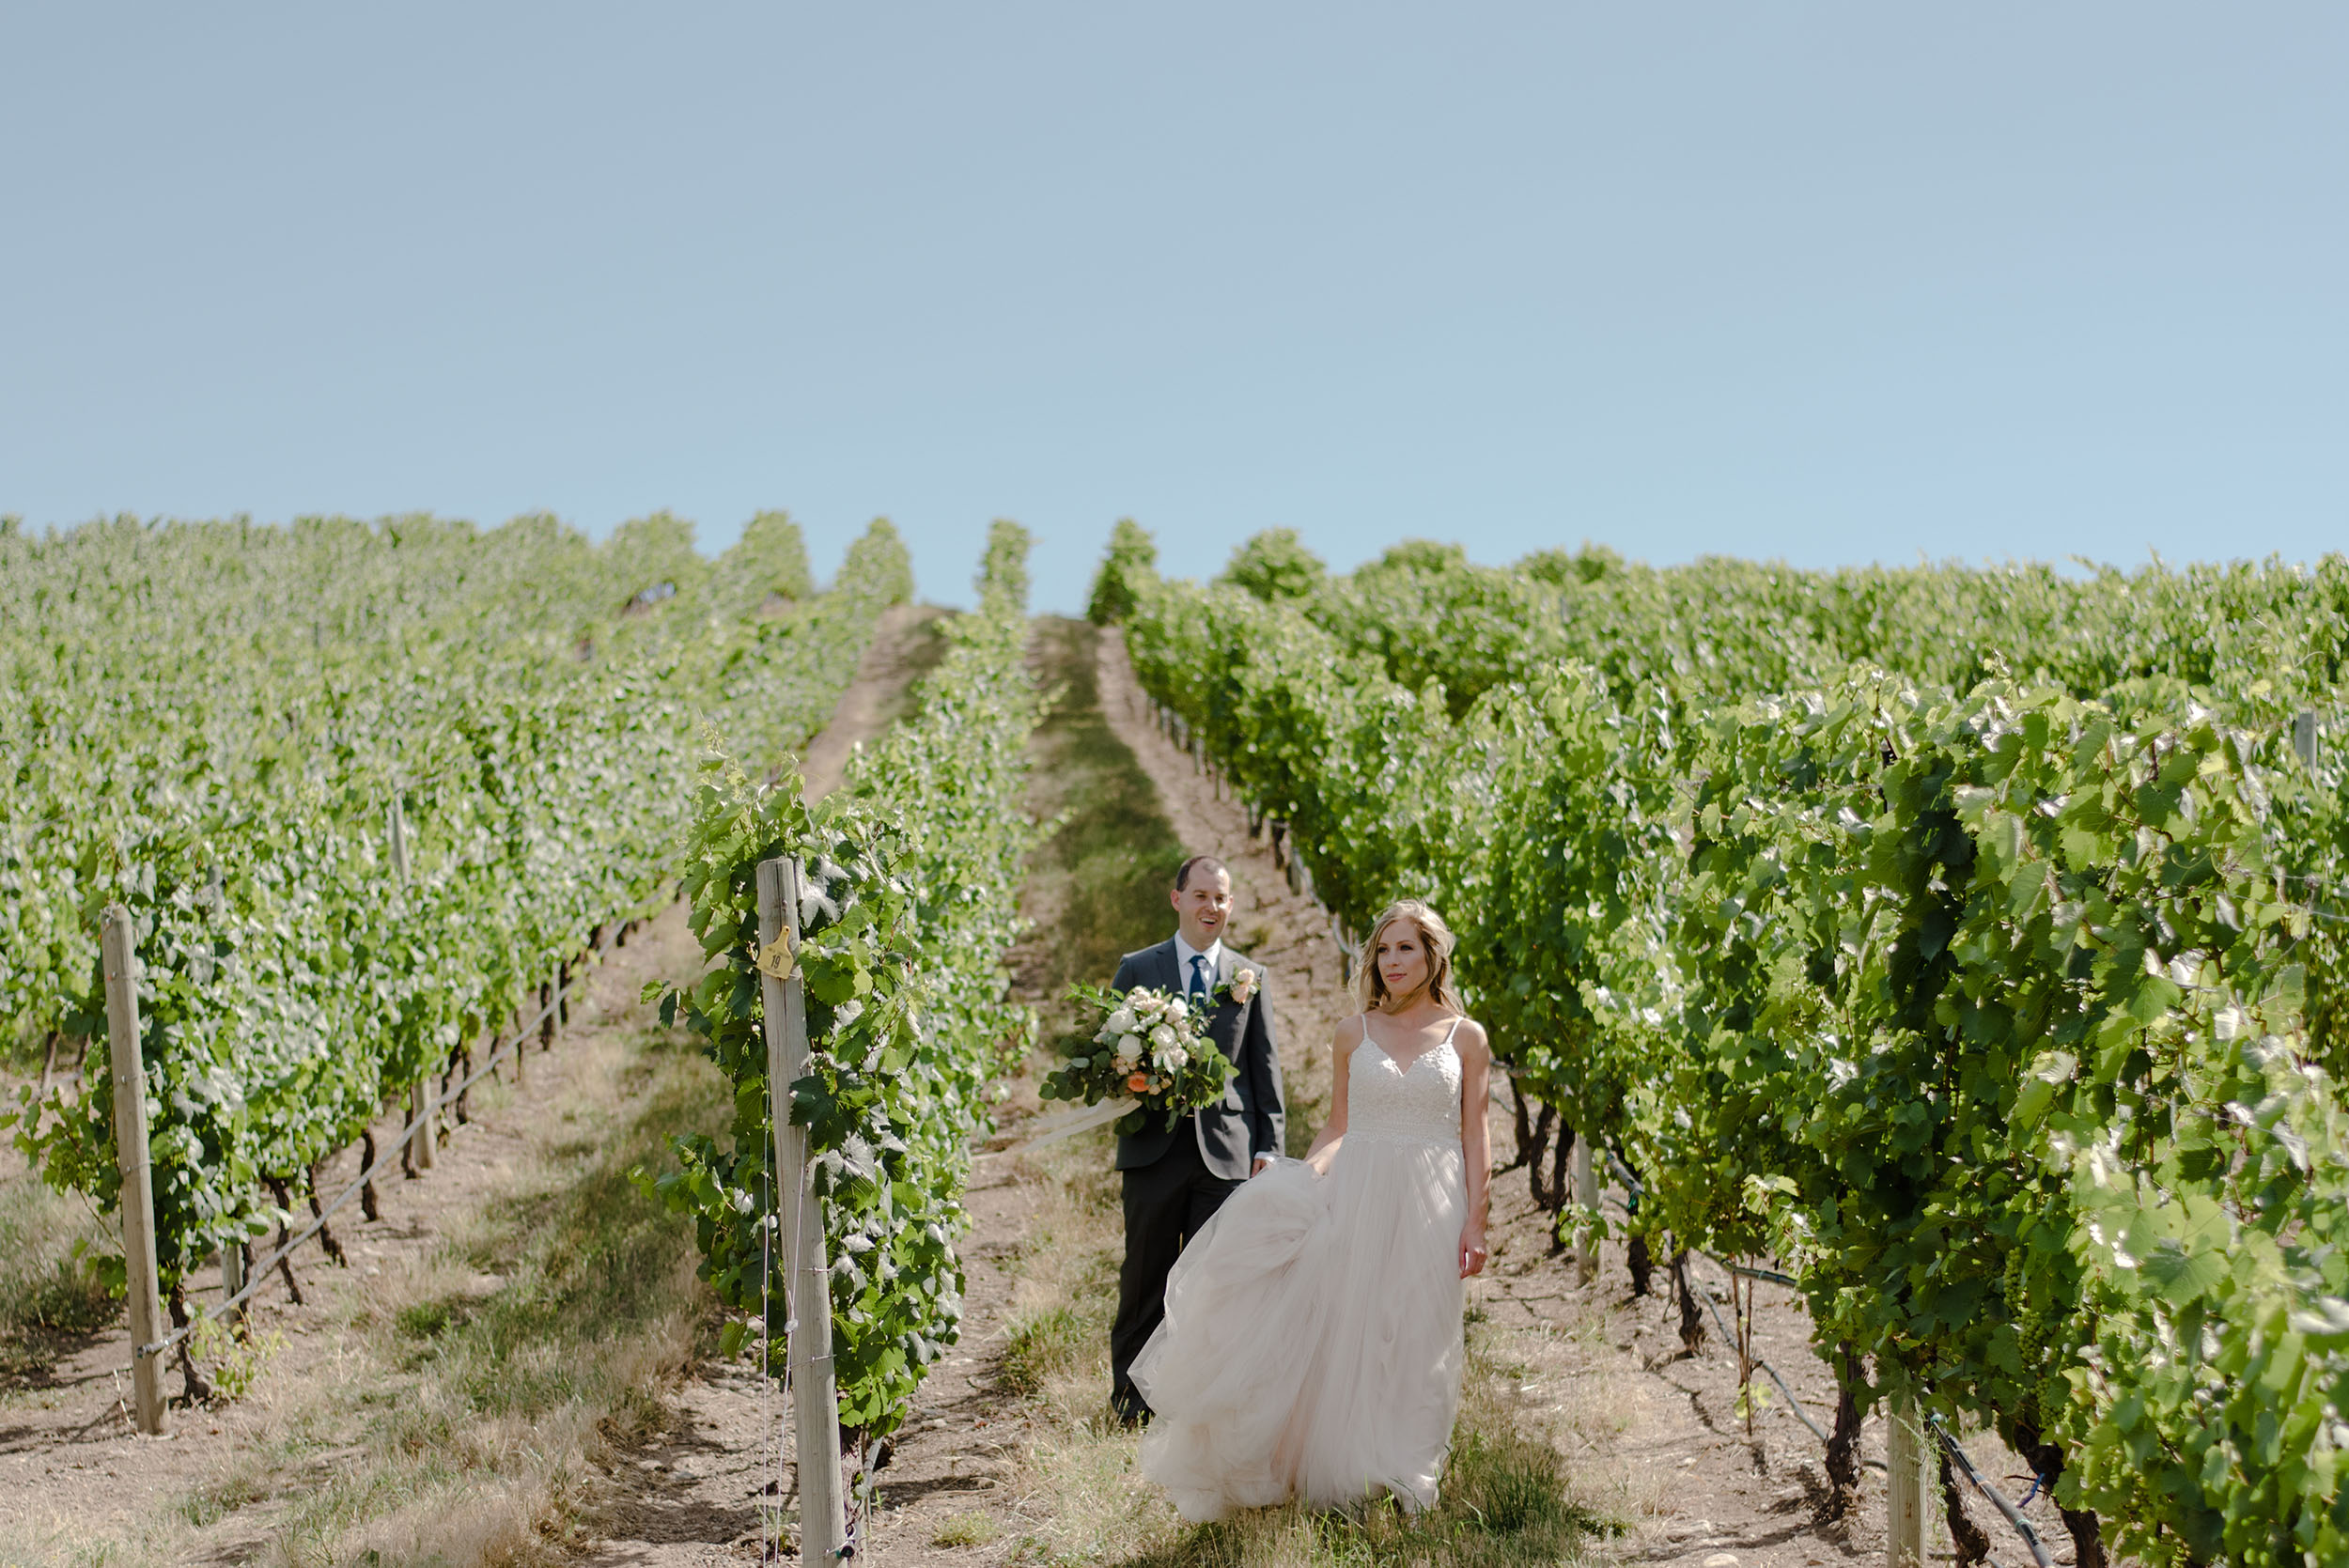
{"x":1125,"y":1404}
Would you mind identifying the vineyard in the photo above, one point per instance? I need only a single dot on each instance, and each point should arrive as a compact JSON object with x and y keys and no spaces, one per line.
{"x":363,"y":793}
{"x":908,"y":904}
{"x":363,"y":797}
{"x":1965,"y":948}
{"x":1964,"y":941}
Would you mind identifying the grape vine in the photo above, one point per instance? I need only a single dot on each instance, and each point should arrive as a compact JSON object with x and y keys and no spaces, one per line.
{"x":1987,"y":991}
{"x":209,"y":723}
{"x":913,"y":870}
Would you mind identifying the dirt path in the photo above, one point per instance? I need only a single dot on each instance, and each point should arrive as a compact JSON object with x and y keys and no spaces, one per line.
{"x":77,"y":1483}
{"x":78,"y":1475}
{"x":905,"y":645}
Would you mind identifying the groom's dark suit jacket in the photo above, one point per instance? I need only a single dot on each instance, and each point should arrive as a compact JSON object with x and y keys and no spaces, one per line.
{"x":1251,"y":1119}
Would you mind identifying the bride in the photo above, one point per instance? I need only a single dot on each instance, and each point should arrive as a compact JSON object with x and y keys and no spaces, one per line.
{"x":1311,"y":1344}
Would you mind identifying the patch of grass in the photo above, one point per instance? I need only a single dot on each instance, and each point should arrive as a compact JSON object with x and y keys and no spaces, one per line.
{"x":1099,"y":883}
{"x":427,"y":1319}
{"x":1506,"y":1502}
{"x":484,"y":1383}
{"x":1042,"y":1343}
{"x":223,"y":1495}
{"x":51,"y":1293}
{"x":976,"y":1528}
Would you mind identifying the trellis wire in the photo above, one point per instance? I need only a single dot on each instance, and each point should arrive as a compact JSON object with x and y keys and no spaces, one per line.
{"x":432,"y":1106}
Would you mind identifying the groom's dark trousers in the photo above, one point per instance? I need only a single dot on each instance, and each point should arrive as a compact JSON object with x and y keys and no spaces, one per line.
{"x":1177,"y":1178}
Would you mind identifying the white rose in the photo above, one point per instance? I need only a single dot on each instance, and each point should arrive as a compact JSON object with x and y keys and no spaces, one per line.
{"x":1128,"y":1052}
{"x":1176,"y":1012}
{"x":1163,"y":1037}
{"x":1243,"y":984}
{"x":1172,"y":1057}
{"x":1122,"y":1021}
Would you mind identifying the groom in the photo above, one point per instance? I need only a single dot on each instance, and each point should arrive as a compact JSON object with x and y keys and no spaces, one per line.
{"x":1178,"y":1177}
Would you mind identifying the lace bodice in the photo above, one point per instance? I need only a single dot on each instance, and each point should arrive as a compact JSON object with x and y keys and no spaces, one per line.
{"x":1419,"y":1101}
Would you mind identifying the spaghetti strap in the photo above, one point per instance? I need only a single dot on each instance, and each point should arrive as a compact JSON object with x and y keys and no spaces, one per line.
{"x":1454,"y":1028}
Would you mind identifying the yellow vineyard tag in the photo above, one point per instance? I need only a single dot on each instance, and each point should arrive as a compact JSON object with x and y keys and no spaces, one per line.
{"x":774,"y":960}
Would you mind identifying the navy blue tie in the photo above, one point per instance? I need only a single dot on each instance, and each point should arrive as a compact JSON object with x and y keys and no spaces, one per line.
{"x":1198,"y":974}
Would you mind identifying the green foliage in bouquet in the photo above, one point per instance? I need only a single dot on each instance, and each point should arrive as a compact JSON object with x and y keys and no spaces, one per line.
{"x":1151,"y":1047}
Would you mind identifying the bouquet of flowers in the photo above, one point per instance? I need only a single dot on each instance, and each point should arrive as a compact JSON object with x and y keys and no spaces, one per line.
{"x":1150,"y":1046}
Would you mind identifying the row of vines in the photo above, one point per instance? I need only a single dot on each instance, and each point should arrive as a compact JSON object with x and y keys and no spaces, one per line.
{"x":217,"y":725}
{"x":1965,"y":940}
{"x":909,"y":902}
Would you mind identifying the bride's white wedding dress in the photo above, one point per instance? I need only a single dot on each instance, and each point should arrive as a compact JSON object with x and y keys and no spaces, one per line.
{"x":1311,"y":1346}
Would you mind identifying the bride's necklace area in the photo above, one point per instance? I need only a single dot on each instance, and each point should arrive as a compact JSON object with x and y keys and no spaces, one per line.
{"x":1427,"y":1048}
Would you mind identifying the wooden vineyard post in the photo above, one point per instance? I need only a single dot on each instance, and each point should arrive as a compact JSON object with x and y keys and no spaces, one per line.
{"x":1586,"y":1194}
{"x":427,"y":1128}
{"x":2304,"y":737}
{"x":1904,"y":1487}
{"x":232,"y":1274}
{"x":138,"y":1178}
{"x":807,"y":1280}
{"x":399,"y":841}
{"x":424,"y":1122}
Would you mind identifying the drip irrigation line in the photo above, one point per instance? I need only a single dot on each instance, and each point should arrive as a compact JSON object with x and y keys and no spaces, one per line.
{"x":1767,"y":1276}
{"x":2012,"y":1514}
{"x":256,"y":1276}
{"x":1997,"y":1499}
{"x":2014,"y":1517}
{"x":1792,"y":1402}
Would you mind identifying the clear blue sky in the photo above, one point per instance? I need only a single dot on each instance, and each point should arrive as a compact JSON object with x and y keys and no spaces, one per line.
{"x":1833,"y":282}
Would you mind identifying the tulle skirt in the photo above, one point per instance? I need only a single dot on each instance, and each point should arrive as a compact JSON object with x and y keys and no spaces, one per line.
{"x":1311,"y":1346}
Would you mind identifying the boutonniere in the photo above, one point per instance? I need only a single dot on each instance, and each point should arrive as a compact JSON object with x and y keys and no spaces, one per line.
{"x":1241,"y":987}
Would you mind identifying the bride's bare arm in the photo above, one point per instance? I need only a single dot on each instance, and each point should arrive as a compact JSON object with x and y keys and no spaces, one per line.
{"x":1476,"y":1061}
{"x":1335,"y":1128}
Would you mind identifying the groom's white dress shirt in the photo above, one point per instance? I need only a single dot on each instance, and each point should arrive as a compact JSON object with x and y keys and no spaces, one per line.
{"x":1184,"y":953}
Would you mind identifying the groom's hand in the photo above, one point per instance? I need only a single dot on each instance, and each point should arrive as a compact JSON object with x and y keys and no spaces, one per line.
{"x":1264,"y":1163}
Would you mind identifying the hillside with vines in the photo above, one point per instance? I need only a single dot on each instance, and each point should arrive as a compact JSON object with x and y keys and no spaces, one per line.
{"x":1965,"y":940}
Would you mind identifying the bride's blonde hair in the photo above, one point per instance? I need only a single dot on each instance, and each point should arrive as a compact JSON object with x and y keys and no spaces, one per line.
{"x":1370,"y":986}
